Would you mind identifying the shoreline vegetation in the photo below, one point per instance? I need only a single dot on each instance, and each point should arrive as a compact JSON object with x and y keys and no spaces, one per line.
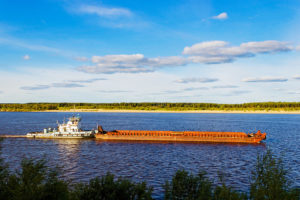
{"x":35,"y":180}
{"x":261,"y":107}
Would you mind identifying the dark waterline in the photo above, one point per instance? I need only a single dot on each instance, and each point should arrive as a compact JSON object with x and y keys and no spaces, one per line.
{"x":155,"y":162}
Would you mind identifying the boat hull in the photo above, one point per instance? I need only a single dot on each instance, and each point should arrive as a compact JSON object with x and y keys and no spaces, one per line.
{"x":169,"y":136}
{"x":60,"y":135}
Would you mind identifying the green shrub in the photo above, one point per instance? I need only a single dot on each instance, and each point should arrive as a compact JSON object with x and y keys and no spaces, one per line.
{"x":35,"y":181}
{"x":269,"y":180}
{"x":109,"y":188}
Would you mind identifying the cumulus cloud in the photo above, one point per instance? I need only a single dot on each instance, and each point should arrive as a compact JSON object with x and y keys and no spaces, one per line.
{"x":26,"y":57}
{"x":104,"y":11}
{"x":221,"y":52}
{"x":111,"y":70}
{"x":265,"y":79}
{"x":196,"y":80}
{"x":211,"y":52}
{"x":221,"y":16}
{"x":130,"y":63}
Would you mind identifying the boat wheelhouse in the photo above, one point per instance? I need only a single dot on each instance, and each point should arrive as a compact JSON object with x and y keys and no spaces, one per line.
{"x":71,"y":129}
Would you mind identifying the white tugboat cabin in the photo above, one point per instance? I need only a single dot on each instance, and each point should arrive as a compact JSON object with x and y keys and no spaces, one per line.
{"x":71,"y":129}
{"x":73,"y":125}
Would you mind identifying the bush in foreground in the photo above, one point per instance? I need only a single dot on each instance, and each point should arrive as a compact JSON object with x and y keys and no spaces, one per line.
{"x":109,"y":188}
{"x":270,"y":181}
{"x":188,"y":186}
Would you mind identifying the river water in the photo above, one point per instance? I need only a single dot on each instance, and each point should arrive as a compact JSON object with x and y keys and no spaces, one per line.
{"x":154,"y":163}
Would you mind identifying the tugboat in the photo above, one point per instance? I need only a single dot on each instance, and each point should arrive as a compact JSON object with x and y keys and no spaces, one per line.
{"x":71,"y":129}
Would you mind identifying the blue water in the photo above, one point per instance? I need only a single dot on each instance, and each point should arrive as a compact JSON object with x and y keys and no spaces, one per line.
{"x":155,"y":162}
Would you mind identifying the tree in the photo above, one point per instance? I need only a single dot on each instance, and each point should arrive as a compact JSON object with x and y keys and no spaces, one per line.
{"x":270,"y":181}
{"x":188,"y":186}
{"x":107,"y":187}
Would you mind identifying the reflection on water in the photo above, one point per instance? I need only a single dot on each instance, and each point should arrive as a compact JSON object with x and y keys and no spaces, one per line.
{"x":150,"y":161}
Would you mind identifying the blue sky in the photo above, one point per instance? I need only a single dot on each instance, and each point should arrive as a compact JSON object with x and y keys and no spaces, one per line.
{"x":228,"y":51}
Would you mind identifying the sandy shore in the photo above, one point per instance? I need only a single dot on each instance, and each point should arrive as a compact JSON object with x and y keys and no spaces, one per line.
{"x":169,"y":111}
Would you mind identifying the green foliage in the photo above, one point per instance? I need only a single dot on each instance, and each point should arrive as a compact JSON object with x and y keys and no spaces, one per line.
{"x":269,"y":180}
{"x":227,"y":193}
{"x":188,"y":186}
{"x":185,"y":186}
{"x":260,"y":106}
{"x":109,"y":188}
{"x":4,"y":174}
{"x":35,"y":181}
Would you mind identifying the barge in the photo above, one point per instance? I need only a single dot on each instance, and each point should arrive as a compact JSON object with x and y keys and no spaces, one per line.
{"x":180,"y":136}
{"x":71,"y":129}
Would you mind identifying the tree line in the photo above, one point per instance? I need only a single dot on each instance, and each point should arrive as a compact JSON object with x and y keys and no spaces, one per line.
{"x":259,"y":106}
{"x":36,"y":181}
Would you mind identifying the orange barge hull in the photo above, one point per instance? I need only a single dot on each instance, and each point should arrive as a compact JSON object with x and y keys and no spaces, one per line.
{"x":185,"y":136}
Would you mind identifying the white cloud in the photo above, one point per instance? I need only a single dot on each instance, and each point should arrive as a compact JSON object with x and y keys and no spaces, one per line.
{"x":133,"y":63}
{"x":196,"y":80}
{"x":237,"y":92}
{"x":297,"y":77}
{"x":221,"y":52}
{"x":26,"y":57}
{"x":108,"y":16}
{"x":224,"y":86}
{"x":221,"y":16}
{"x":298,"y":48}
{"x":210,"y":60}
{"x":87,"y":80}
{"x":104,"y":11}
{"x":297,"y":93}
{"x":211,"y":52}
{"x":265,"y":79}
{"x":269,"y":46}
{"x":66,"y":85}
{"x":53,"y":85}
{"x":195,"y":88}
{"x":117,"y":60}
{"x":36,"y":87}
{"x":114,"y":91}
{"x":98,"y":69}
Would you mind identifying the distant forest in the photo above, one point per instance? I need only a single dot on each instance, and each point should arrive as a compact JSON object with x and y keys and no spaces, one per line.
{"x":262,"y":106}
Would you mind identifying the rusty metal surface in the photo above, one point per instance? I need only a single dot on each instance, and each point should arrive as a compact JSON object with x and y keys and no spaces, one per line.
{"x":185,"y":136}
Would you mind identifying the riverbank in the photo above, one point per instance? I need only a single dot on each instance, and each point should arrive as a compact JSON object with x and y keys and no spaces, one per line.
{"x":175,"y":111}
{"x":157,"y":107}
